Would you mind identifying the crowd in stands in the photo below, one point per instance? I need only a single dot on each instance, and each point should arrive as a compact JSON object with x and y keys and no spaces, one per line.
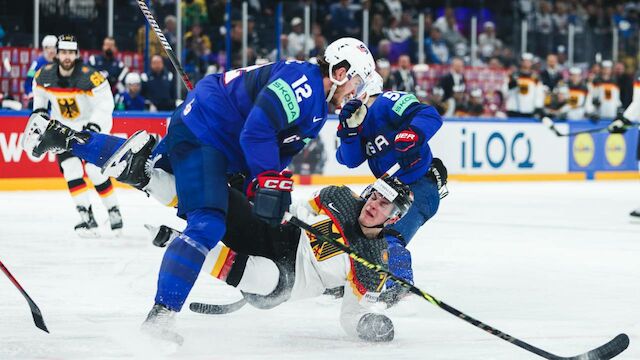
{"x":451,"y":78}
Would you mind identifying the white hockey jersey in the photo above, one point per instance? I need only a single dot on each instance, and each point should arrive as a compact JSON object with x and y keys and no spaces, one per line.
{"x":524,"y":93}
{"x":633,"y":110}
{"x":607,"y":94}
{"x":318,"y":266}
{"x":82,"y":98}
{"x":577,"y":98}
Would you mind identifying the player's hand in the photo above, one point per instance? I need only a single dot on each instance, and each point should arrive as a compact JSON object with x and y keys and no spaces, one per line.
{"x":408,"y":144}
{"x":619,"y":125}
{"x":375,"y":328}
{"x":351,"y":117}
{"x":393,"y":295}
{"x":271,"y":194}
{"x":91,"y":127}
{"x":594,"y":118}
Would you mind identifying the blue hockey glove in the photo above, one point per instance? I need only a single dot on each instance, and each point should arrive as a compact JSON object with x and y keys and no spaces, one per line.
{"x":408,"y":144}
{"x":271,"y":194}
{"x":351,"y":117}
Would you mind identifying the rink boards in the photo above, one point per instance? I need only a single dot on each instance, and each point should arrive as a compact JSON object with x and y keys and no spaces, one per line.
{"x":472,"y":149}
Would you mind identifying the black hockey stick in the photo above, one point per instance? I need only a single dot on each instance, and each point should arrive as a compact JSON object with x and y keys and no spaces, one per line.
{"x":35,"y":310}
{"x":552,"y":126}
{"x":606,"y":351}
{"x":165,"y":44}
{"x":217,"y":309}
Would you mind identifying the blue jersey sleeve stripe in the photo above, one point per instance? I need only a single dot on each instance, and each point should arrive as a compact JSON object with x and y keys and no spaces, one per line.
{"x":270,"y":105}
{"x":256,"y":79}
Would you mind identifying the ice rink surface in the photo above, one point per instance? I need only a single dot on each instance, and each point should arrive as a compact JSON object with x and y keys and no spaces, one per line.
{"x":554,"y":264}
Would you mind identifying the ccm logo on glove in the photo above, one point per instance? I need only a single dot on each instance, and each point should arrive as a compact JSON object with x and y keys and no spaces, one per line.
{"x":278,"y":184}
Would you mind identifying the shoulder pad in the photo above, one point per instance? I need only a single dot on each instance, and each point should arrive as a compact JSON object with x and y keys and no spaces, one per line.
{"x":46,"y":74}
{"x":89,"y":78}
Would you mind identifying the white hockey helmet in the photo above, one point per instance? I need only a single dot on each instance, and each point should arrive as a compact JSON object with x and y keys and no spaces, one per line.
{"x":357,"y":55}
{"x":67,"y":42}
{"x":49,"y":41}
{"x":374,"y":85}
{"x":132,"y":78}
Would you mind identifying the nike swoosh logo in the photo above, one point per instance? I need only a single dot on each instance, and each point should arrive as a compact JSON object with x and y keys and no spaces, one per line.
{"x":46,"y":85}
{"x":332,"y":207}
{"x":316,"y":119}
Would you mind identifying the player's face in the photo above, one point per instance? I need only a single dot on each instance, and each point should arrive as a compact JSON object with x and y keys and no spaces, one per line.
{"x":49,"y":52}
{"x":67,"y":59}
{"x":376,"y":210}
{"x":348,"y":90}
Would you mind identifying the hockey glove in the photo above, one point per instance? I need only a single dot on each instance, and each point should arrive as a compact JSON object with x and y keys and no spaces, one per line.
{"x":393,"y":295}
{"x":408,"y":144}
{"x":619,"y":125}
{"x":594,"y":118}
{"x":375,"y":328}
{"x":271,"y":194}
{"x":351,"y":117}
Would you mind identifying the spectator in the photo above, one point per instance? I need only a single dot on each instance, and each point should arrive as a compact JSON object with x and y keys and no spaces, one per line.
{"x":494,"y":64}
{"x":560,"y":20}
{"x":488,"y":44}
{"x":435,"y":100}
{"x":48,"y":54}
{"x":456,"y":105}
{"x":158,"y":85}
{"x":376,"y":32}
{"x":437,"y":51}
{"x":194,"y":12}
{"x":109,"y":66}
{"x":170,"y":23}
{"x":625,"y":83}
{"x":342,"y":20}
{"x":403,"y":77}
{"x":449,"y":28}
{"x":130,"y":99}
{"x":198,"y":48}
{"x":453,"y":78}
{"x":384,"y":69}
{"x":384,"y":49}
{"x":297,"y":39}
{"x":319,"y":44}
{"x":284,"y":51}
{"x":400,"y":37}
{"x":543,"y":29}
{"x":476,"y":105}
{"x":155,"y":47}
{"x":552,"y":74}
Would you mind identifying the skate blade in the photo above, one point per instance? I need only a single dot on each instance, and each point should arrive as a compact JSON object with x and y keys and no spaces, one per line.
{"x":116,"y":163}
{"x":165,"y":335}
{"x":88,"y":234}
{"x":117,"y":232}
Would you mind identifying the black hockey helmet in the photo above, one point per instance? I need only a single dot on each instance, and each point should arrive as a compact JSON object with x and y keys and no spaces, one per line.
{"x":394,"y":190}
{"x":67,"y":42}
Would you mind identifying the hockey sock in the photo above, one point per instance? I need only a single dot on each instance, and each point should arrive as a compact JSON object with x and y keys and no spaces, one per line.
{"x":184,"y":257}
{"x":105,"y":190}
{"x":98,"y":149}
{"x":252,"y":274}
{"x":78,"y":190}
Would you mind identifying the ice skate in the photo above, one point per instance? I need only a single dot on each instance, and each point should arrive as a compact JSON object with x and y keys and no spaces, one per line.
{"x":42,"y":135}
{"x":115,"y":218}
{"x":128,"y":163}
{"x":160,"y":324}
{"x":88,"y":227}
{"x":635,"y":216}
{"x":162,"y":235}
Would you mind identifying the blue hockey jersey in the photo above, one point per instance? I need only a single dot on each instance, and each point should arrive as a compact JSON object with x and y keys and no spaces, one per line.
{"x":259,"y":116}
{"x":35,"y":66}
{"x":390,"y":113}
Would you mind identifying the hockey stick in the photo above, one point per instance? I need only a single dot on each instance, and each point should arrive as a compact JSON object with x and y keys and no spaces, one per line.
{"x":165,"y":44}
{"x":217,"y":309}
{"x":35,"y":311}
{"x":606,"y":351}
{"x":552,"y":126}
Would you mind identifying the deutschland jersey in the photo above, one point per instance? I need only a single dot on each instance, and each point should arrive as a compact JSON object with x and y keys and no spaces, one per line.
{"x":81,"y":98}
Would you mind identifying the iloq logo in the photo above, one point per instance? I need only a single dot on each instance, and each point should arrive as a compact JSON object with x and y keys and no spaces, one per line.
{"x":497,"y":150}
{"x":615,"y":149}
{"x":583,"y":149}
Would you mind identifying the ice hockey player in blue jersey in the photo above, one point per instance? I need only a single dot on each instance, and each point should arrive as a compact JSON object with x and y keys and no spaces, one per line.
{"x":48,"y":53}
{"x":395,"y":127}
{"x":252,"y":121}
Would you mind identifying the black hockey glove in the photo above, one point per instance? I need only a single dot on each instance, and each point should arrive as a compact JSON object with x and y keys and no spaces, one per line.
{"x":619,"y":125}
{"x":594,"y":118}
{"x":271,"y":194}
{"x":375,"y":328}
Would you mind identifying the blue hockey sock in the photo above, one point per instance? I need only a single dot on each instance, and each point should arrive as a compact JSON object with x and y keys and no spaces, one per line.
{"x":98,"y":149}
{"x":184,"y":257}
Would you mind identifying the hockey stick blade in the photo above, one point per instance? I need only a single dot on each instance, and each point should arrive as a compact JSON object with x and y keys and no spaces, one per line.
{"x":607,"y":351}
{"x":213,"y":309}
{"x":35,"y":310}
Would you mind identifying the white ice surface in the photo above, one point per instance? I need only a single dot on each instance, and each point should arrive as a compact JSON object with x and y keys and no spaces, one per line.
{"x":554,"y":264}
